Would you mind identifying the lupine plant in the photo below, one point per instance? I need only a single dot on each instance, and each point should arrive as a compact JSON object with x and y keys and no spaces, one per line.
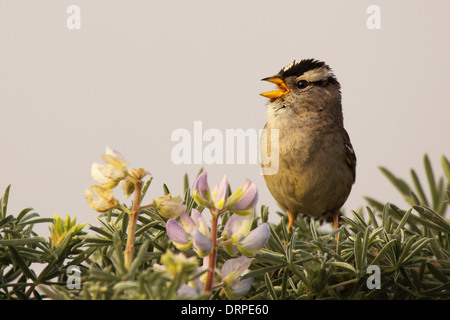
{"x":236,"y":236}
{"x":194,"y":231}
{"x":214,"y":243}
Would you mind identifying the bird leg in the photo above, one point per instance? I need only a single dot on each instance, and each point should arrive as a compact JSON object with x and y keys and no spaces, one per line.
{"x":336,"y":214}
{"x":292,"y":216}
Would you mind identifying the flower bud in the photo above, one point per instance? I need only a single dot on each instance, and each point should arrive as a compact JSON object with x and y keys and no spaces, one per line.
{"x":200,"y":190}
{"x":169,"y":207}
{"x":102,"y":200}
{"x":127,"y":187}
{"x":244,"y":199}
{"x":60,"y":228}
{"x":178,"y":263}
{"x":220,"y":194}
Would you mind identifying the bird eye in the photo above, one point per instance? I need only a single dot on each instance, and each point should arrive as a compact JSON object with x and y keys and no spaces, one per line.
{"x":302,"y":84}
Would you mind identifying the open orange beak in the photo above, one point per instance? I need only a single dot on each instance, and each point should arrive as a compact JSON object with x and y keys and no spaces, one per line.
{"x":282,"y":88}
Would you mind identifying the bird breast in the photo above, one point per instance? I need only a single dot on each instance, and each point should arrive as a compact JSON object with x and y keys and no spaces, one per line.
{"x":313,"y":176}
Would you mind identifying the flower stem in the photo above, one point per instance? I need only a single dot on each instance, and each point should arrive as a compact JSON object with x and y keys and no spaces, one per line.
{"x":212,"y":255}
{"x":132,"y":225}
{"x":148,"y":206}
{"x":225,"y":242}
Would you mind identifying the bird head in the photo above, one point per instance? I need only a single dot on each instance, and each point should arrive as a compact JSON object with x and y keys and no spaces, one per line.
{"x":307,"y":84}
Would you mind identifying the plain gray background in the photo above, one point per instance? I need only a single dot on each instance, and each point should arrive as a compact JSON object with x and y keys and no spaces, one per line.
{"x":137,"y":70}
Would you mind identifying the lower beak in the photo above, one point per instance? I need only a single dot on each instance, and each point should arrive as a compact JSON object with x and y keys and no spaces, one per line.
{"x":282,"y":88}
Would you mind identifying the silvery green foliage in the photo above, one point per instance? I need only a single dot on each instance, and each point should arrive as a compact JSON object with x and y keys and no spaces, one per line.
{"x":383,"y":251}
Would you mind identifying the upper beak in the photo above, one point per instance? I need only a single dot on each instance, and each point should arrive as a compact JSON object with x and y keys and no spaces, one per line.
{"x":282,"y":87}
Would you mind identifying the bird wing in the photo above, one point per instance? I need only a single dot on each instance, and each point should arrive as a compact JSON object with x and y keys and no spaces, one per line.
{"x":350,"y":155}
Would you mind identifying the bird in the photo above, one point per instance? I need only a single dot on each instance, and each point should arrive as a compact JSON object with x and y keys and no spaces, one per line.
{"x":316,"y":160}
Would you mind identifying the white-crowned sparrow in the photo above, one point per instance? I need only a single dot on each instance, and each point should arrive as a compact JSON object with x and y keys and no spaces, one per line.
{"x":316,"y":159}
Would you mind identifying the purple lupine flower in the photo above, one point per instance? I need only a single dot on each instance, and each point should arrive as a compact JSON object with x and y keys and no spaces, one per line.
{"x":244,"y":199}
{"x":232,"y":270}
{"x":220,"y":194}
{"x":254,"y":241}
{"x":200,"y":190}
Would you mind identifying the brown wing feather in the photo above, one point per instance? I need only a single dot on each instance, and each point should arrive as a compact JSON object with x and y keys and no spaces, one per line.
{"x":350,"y":155}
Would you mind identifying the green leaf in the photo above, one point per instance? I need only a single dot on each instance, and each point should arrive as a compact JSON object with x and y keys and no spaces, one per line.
{"x":4,"y":203}
{"x":398,"y":183}
{"x":63,"y":245}
{"x":417,"y":247}
{"x":374,"y":203}
{"x":267,"y":255}
{"x":23,"y":213}
{"x":446,"y":168}
{"x":373,"y":234}
{"x":142,"y":229}
{"x":359,"y":251}
{"x":95,"y":241}
{"x":355,"y":225}
{"x":275,"y":241}
{"x":270,"y":287}
{"x":405,"y":249}
{"x":34,"y":221}
{"x":145,"y":188}
{"x":314,"y":233}
{"x":138,"y":259}
{"x":6,"y":221}
{"x":290,"y":247}
{"x":101,"y":231}
{"x":434,"y":217}
{"x":383,"y":252}
{"x":431,"y":181}
{"x":173,"y":287}
{"x":21,"y":263}
{"x":343,"y":265}
{"x":21,"y":242}
{"x":83,"y":256}
{"x":264,"y":214}
{"x":264,"y":270}
{"x":372,"y":217}
{"x":414,"y":198}
{"x":125,"y":285}
{"x":403,"y":221}
{"x":186,"y":182}
{"x":284,"y":284}
{"x":442,"y":204}
{"x":418,"y":186}
{"x":100,"y":275}
{"x":438,"y":273}
{"x":166,"y":189}
{"x":359,"y":219}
